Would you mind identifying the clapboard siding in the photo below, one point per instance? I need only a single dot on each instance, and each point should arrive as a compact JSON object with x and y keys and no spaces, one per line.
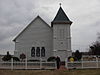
{"x":62,"y":40}
{"x":37,"y":34}
{"x":66,"y":40}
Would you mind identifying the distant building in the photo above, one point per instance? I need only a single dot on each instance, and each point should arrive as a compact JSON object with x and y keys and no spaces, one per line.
{"x":40,"y":40}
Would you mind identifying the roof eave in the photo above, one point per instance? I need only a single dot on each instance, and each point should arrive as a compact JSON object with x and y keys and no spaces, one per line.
{"x":69,"y":22}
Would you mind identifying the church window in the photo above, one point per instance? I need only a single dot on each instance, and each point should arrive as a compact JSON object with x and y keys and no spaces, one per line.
{"x":38,"y":51}
{"x":33,"y":52}
{"x":43,"y":52}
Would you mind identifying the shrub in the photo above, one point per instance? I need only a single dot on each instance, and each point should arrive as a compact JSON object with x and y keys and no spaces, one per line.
{"x":16,"y":59}
{"x":22,"y":56}
{"x":78,"y":55}
{"x":72,"y":57}
{"x":7,"y":57}
{"x":51,"y":58}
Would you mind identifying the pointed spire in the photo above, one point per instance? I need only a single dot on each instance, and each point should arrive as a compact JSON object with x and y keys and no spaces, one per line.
{"x":61,"y":17}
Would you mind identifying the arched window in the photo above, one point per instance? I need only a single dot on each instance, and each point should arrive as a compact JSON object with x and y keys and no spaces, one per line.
{"x":33,"y":52}
{"x":38,"y":51}
{"x":43,"y":52}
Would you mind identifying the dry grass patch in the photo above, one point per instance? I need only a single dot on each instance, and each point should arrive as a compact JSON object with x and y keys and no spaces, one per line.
{"x":50,"y":72}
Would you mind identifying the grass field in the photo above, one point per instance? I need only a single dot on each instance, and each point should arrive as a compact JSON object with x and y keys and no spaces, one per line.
{"x":51,"y":72}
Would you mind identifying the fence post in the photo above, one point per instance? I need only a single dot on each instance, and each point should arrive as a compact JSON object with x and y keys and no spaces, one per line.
{"x":66,"y":64}
{"x":82,"y":62}
{"x":12,"y":65}
{"x":40,"y":63}
{"x":26,"y":63}
{"x":97,"y":62}
{"x":55,"y":65}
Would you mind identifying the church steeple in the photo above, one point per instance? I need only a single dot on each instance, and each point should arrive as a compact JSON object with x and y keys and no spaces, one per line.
{"x":61,"y":35}
{"x":61,"y":17}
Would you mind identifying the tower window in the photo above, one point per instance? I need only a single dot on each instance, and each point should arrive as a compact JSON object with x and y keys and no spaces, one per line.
{"x":33,"y":52}
{"x":43,"y":52}
{"x":38,"y":51}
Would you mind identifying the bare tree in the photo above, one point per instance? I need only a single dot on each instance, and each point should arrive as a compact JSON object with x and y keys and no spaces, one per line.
{"x":95,"y":47}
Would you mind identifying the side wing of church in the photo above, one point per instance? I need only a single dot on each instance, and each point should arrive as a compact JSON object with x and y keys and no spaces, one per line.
{"x":39,"y":40}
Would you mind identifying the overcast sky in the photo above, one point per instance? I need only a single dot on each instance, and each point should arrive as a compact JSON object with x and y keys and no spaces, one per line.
{"x":15,"y":15}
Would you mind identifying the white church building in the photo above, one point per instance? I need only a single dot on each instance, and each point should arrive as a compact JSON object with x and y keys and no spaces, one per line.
{"x":40,"y":40}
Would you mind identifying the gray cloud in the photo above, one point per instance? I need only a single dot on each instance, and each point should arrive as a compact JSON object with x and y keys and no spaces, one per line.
{"x":15,"y":15}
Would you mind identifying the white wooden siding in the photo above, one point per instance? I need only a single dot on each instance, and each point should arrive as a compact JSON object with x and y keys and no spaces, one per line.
{"x":38,"y":34}
{"x":61,"y":40}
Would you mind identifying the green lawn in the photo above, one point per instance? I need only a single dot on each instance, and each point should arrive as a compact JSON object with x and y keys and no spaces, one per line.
{"x":51,"y":72}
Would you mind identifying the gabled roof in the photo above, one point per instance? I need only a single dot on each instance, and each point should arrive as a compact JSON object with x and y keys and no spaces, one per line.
{"x":61,"y":17}
{"x":29,"y":25}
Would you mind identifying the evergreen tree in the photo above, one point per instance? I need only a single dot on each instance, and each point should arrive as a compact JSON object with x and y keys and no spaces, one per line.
{"x":78,"y":55}
{"x":7,"y":57}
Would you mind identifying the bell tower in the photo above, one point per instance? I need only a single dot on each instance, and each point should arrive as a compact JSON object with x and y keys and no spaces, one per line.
{"x":61,"y":35}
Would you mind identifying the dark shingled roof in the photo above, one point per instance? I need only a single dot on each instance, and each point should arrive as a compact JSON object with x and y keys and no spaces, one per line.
{"x":61,"y":16}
